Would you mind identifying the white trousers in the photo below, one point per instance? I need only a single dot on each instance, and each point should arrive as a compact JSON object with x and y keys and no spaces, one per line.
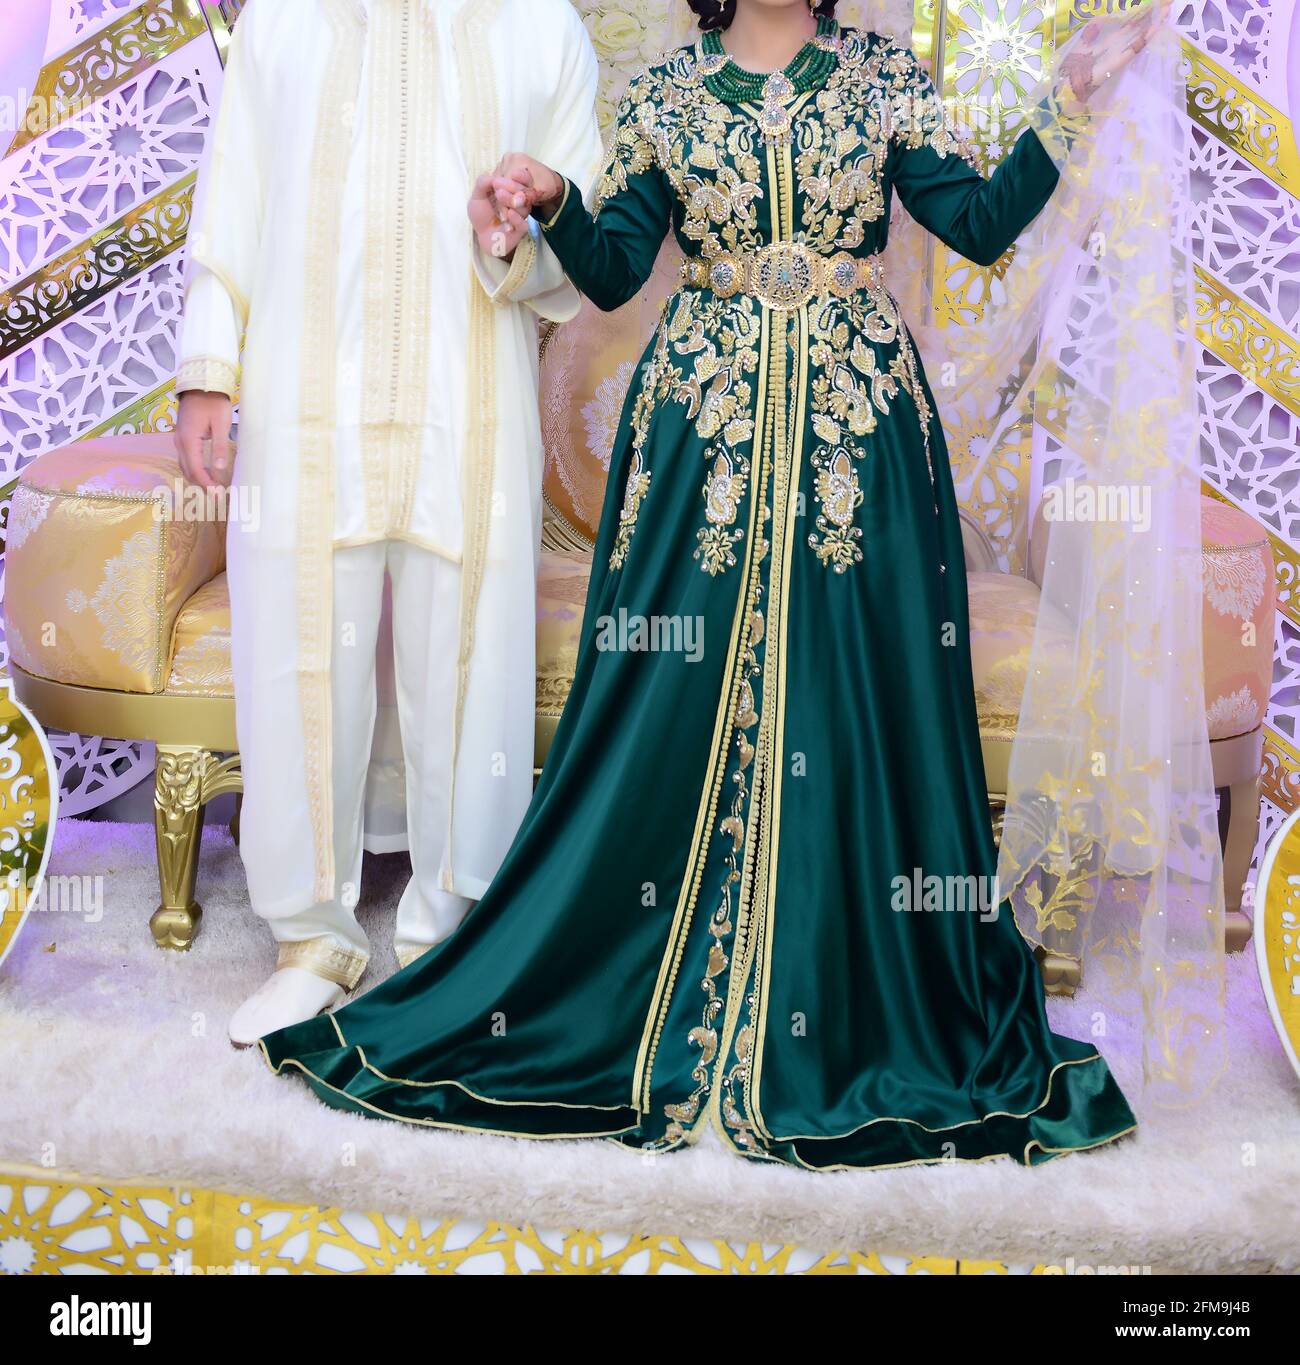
{"x":326,"y":938}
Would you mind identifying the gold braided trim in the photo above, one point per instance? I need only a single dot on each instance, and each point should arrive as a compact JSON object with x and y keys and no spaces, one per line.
{"x":520,"y":269}
{"x":208,"y":374}
{"x":417,"y":227}
{"x":410,"y":952}
{"x":383,"y":296}
{"x":564,"y":199}
{"x":326,"y":958}
{"x":952,"y":1127}
{"x":478,"y":470}
{"x":318,"y":416}
{"x":775,"y":676}
{"x":1247,"y":547}
{"x":720,"y":747}
{"x":753,"y":955}
{"x":277,"y":1067}
{"x":402,"y":191}
{"x":784,"y":275}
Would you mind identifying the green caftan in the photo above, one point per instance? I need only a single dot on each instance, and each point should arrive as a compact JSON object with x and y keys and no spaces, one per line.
{"x":721,"y":907}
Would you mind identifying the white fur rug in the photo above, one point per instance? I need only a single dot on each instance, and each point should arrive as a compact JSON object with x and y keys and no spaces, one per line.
{"x":114,"y":1063}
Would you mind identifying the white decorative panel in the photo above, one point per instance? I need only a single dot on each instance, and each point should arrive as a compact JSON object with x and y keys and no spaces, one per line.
{"x":1242,"y":35}
{"x":93,"y":301}
{"x":122,"y":151}
{"x":77,"y":376}
{"x":74,"y":20}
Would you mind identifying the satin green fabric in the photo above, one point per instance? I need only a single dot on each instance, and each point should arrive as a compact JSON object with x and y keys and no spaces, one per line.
{"x":697,"y":922}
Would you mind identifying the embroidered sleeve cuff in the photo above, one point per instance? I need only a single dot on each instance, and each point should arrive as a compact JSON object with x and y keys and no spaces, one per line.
{"x":520,"y":269}
{"x":564,"y":204}
{"x":208,"y":374}
{"x":505,"y":281}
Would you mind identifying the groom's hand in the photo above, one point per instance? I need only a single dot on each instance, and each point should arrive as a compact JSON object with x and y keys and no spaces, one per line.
{"x":203,"y":439}
{"x":499,"y":228}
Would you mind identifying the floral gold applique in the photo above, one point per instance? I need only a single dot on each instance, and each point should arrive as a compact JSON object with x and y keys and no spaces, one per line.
{"x":638,"y":485}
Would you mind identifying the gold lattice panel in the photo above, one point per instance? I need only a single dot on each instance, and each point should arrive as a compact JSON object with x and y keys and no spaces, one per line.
{"x":27,"y":813}
{"x":1277,"y":935}
{"x":53,"y":1226}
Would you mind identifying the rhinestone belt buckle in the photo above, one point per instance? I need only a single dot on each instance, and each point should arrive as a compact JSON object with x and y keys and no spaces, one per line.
{"x":785,"y":275}
{"x":843,"y":275}
{"x":725,"y":275}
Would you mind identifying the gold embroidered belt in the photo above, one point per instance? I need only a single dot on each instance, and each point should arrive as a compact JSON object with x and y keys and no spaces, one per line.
{"x":784,"y":275}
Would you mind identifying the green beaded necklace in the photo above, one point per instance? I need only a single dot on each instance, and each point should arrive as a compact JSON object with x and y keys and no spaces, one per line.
{"x":808,"y":69}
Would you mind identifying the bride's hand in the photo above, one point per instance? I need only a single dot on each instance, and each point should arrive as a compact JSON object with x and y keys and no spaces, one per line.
{"x":1107,"y":46}
{"x":524,"y":185}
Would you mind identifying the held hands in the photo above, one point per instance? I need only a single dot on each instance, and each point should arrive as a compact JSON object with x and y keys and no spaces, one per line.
{"x":1107,"y":45}
{"x":203,"y":439}
{"x":502,"y":201}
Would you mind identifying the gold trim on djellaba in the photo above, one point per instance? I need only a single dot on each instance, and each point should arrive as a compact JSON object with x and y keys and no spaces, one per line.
{"x":458,"y":1085}
{"x":521,"y":266}
{"x":434,"y":1123}
{"x":326,"y":958}
{"x":317,"y":418}
{"x":401,"y":118}
{"x":781,"y":610}
{"x":773,"y":461}
{"x":207,"y":374}
{"x":478,"y":459}
{"x":685,"y":1114}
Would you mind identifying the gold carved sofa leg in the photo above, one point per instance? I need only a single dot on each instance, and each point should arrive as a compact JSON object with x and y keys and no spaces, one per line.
{"x":998,"y":816}
{"x":1060,"y":973}
{"x":186,"y":779}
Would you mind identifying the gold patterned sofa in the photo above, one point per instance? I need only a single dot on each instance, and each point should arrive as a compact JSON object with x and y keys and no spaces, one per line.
{"x":118,"y":624}
{"x":118,"y":620}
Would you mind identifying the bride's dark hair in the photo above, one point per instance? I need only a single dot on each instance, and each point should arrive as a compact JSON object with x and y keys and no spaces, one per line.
{"x":719,"y":13}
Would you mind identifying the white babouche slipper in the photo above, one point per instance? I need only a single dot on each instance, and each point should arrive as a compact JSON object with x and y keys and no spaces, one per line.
{"x":290,"y":996}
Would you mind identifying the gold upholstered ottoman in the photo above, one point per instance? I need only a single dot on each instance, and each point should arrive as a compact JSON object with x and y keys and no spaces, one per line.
{"x":118,"y":622}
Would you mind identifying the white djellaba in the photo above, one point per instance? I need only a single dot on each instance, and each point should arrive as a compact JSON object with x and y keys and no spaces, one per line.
{"x":388,"y":417}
